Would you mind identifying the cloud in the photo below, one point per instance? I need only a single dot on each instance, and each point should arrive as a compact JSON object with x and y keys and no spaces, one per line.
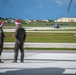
{"x":43,"y":3}
{"x":61,"y":2}
{"x":38,"y":3}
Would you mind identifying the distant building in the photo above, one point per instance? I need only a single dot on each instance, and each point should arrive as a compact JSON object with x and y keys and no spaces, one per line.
{"x":66,"y":20}
{"x":9,"y":20}
{"x":27,"y":20}
{"x":34,"y":20}
{"x":46,"y":20}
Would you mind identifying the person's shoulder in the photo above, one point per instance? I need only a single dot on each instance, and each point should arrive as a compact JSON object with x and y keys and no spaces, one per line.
{"x":23,"y":29}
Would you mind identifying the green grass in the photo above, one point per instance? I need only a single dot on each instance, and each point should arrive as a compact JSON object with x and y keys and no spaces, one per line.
{"x":45,"y":37}
{"x":44,"y":48}
{"x":50,"y":48}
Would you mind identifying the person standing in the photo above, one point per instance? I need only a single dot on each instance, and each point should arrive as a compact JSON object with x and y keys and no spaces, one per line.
{"x":20,"y":35}
{"x":2,"y":36}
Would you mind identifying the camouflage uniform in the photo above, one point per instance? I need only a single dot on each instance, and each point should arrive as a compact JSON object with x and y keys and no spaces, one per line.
{"x":20,"y":36}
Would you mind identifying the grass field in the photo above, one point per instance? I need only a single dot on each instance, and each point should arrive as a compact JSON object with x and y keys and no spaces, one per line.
{"x":66,"y":36}
{"x":45,"y":37}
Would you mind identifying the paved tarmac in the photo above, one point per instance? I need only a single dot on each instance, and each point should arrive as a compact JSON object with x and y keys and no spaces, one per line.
{"x":40,"y":28}
{"x":42,"y":45}
{"x":40,"y":63}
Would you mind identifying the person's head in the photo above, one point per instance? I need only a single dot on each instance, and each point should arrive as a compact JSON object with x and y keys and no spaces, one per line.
{"x":18,"y":23}
{"x":1,"y":24}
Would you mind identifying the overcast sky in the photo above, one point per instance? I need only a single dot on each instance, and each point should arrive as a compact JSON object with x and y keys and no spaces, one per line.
{"x":36,"y":9}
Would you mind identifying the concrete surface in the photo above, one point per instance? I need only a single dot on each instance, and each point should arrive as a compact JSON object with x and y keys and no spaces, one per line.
{"x":39,"y":63}
{"x":42,"y":45}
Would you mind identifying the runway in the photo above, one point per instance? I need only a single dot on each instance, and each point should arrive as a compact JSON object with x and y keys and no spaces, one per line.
{"x":39,"y":63}
{"x":42,"y":45}
{"x":39,"y":28}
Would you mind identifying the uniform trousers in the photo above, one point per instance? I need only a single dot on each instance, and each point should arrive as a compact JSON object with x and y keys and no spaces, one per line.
{"x":19,"y":45}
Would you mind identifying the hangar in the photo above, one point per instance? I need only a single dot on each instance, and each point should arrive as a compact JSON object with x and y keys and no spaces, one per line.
{"x":66,"y":20}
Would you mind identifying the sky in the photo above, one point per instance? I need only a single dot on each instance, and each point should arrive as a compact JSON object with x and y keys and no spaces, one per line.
{"x":37,"y":9}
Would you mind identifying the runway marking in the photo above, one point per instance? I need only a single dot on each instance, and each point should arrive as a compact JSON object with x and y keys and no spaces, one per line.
{"x":69,"y":71}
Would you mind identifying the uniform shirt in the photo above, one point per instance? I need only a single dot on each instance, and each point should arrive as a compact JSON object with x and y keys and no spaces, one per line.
{"x":20,"y":34}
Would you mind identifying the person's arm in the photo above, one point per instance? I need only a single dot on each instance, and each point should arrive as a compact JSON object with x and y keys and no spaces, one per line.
{"x":16,"y":34}
{"x":3,"y":36}
{"x":24,"y":35}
